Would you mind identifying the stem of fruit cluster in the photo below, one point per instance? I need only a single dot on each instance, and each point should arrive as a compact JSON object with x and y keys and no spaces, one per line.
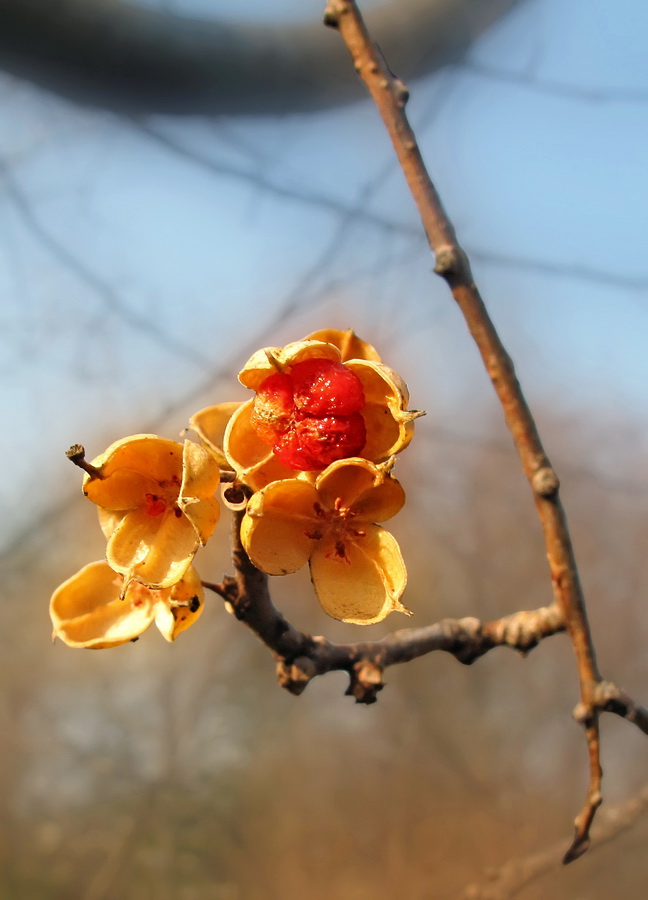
{"x":76,"y":454}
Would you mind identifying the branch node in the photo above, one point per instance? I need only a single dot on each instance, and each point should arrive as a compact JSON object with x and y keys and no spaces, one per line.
{"x":296,"y":676}
{"x":402,"y":94}
{"x":583,"y":714}
{"x":451,"y":263}
{"x":334,"y":9}
{"x":545,"y":482}
{"x":366,"y":680}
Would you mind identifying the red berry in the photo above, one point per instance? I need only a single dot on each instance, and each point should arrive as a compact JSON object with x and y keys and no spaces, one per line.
{"x":323,"y":388}
{"x":312,"y":416}
{"x":273,"y":407}
{"x":314,"y":443}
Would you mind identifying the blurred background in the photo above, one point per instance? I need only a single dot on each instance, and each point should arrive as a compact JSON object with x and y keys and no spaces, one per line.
{"x":144,"y":254}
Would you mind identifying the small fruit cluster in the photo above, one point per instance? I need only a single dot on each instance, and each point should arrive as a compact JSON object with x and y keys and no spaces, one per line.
{"x":313,"y":451}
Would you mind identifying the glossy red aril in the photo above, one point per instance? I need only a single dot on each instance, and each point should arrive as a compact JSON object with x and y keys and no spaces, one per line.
{"x":273,"y":407}
{"x":323,"y":388}
{"x":314,"y":443}
{"x":312,"y":415}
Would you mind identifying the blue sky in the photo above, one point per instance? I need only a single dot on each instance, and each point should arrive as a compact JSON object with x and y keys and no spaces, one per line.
{"x":129,"y":273}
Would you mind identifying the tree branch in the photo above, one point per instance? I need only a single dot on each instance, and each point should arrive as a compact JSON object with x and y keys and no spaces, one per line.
{"x":300,"y":657}
{"x":390,"y":96}
{"x":507,"y":881}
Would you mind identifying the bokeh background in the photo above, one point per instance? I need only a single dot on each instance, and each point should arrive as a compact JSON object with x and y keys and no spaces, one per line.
{"x":142,"y":260}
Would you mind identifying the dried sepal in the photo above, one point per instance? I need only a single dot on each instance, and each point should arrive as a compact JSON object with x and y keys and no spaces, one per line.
{"x":181,"y":605}
{"x":347,"y":342}
{"x":132,"y":467}
{"x":356,"y":566}
{"x":269,"y":360}
{"x":389,"y":423}
{"x":159,"y":505}
{"x":210,"y":424}
{"x":252,"y":459}
{"x":200,"y":481}
{"x":366,"y":489}
{"x":280,"y":526}
{"x":363,"y":583}
{"x":94,"y":609}
{"x":156,"y":552}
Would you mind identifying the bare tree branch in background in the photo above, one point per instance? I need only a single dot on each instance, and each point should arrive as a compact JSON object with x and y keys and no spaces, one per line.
{"x":122,"y":56}
{"x":107,"y":295}
{"x":361,"y":212}
{"x":557,"y":88}
{"x":506,"y":882}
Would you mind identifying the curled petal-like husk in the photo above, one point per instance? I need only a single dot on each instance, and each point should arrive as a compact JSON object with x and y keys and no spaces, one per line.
{"x":367,"y":490}
{"x":92,"y":610}
{"x":280,"y":526}
{"x":132,"y":467}
{"x":87,"y":610}
{"x":390,"y":425}
{"x":210,"y":424}
{"x":277,"y":359}
{"x":154,"y":547}
{"x":156,"y":550}
{"x":251,"y":458}
{"x":347,"y":342}
{"x":200,"y":480}
{"x":181,"y":607}
{"x":360,"y":580}
{"x":109,"y":519}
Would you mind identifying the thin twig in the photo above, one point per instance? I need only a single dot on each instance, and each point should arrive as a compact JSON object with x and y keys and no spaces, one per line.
{"x":109,"y":298}
{"x":390,"y":96}
{"x":556,"y":88}
{"x":506,"y":882}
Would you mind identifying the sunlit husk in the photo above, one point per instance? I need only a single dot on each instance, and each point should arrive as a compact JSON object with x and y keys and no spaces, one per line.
{"x":154,"y":546}
{"x":251,"y":458}
{"x":92,"y":610}
{"x":359,"y":581}
{"x":200,"y":481}
{"x":347,"y":342}
{"x":109,"y":519}
{"x":280,"y":526}
{"x":269,"y":360}
{"x":356,"y":566}
{"x":210,"y":424}
{"x":133,"y":467}
{"x":390,"y":425}
{"x":155,"y":550}
{"x":87,"y":611}
{"x":367,"y":490}
{"x":182,"y":606}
